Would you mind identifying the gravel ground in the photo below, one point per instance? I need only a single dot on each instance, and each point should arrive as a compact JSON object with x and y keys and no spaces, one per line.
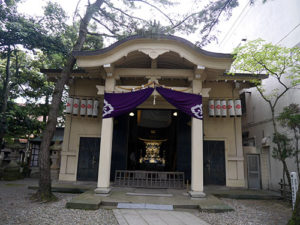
{"x":250,"y":212}
{"x":17,"y":208}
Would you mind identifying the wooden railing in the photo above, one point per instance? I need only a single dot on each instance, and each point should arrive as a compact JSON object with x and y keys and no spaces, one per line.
{"x":149,"y":179}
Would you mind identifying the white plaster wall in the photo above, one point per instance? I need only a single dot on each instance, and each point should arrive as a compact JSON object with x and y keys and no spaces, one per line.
{"x":278,"y":22}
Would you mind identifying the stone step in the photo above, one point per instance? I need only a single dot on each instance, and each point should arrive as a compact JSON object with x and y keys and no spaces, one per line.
{"x":149,"y":194}
{"x":87,"y":201}
{"x":144,"y":206}
{"x":214,"y":205}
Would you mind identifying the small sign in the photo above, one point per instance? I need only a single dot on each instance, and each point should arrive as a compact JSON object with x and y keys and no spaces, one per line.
{"x":294,"y":183}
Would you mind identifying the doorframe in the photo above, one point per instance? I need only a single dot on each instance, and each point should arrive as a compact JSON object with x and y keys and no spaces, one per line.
{"x":225,"y":152}
{"x":259,"y":170}
{"x":78,"y":136}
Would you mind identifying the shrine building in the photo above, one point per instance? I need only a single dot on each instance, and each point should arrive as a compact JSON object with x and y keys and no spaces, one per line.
{"x":155,"y":112}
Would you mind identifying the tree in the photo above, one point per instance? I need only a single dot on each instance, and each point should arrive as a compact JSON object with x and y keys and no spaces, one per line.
{"x":17,"y":30}
{"x":120,"y":19}
{"x":290,"y":118}
{"x":282,"y":66}
{"x":20,"y":120}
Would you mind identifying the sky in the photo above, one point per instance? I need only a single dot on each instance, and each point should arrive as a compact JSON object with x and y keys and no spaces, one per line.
{"x":35,"y":8}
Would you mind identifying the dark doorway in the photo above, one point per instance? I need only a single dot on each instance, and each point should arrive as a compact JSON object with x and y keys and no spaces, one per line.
{"x":183,"y":150}
{"x":88,"y":159}
{"x":119,"y":145}
{"x":214,"y":163}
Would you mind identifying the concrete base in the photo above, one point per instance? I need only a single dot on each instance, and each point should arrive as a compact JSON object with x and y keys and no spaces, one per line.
{"x":102,"y":191}
{"x":90,"y":200}
{"x":197,"y":194}
{"x":86,"y":201}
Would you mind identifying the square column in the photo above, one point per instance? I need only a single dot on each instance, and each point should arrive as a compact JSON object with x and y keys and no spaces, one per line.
{"x":103,"y":184}
{"x":197,"y":151}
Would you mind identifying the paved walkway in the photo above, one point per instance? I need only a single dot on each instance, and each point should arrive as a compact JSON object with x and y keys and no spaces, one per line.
{"x":156,"y":217}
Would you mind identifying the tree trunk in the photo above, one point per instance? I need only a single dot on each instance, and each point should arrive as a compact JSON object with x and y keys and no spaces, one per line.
{"x":287,"y":172}
{"x":44,"y":157}
{"x":295,"y":220}
{"x":5,"y":95}
{"x":46,"y":107}
{"x":297,"y":153}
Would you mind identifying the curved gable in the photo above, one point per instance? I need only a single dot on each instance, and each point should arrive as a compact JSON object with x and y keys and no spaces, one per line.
{"x":153,"y":47}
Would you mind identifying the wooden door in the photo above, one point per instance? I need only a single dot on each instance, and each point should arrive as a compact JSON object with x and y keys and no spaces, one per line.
{"x":214,"y":163}
{"x":88,"y":159}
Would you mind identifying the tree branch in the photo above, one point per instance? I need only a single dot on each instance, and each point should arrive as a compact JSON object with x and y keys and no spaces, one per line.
{"x":216,"y":20}
{"x":158,"y":9}
{"x":282,"y":93}
{"x":76,"y":10}
{"x":126,"y":14}
{"x":185,"y":19}
{"x":102,"y":34}
{"x":264,"y":97}
{"x":105,"y":26}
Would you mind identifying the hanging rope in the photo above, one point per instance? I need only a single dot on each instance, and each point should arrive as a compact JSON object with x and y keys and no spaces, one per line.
{"x":136,"y":88}
{"x":182,"y":90}
{"x":154,"y":84}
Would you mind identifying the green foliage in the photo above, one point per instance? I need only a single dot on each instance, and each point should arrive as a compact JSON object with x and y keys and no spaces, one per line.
{"x":16,"y":29}
{"x":290,"y":117}
{"x":283,"y":150}
{"x":259,"y":57}
{"x":22,"y":121}
{"x":280,"y":63}
{"x":34,"y":43}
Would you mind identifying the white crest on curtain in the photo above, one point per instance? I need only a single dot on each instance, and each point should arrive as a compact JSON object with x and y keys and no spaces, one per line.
{"x":107,"y":108}
{"x":197,"y":111}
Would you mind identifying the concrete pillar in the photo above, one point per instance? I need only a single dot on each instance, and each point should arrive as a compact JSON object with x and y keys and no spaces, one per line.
{"x":197,"y":151}
{"x":103,"y":184}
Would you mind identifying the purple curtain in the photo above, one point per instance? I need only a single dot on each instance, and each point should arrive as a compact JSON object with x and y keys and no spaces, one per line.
{"x":190,"y":104}
{"x":116,"y":104}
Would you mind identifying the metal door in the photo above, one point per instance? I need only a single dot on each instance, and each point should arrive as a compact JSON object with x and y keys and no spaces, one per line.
{"x":214,"y":163}
{"x":88,"y":159}
{"x":253,"y":171}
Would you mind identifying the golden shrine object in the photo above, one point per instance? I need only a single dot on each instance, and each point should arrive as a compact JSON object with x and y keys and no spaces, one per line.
{"x":152,"y":151}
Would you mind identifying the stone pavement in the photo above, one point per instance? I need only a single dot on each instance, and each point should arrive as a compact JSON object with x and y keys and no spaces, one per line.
{"x":177,"y":199}
{"x":156,"y":217}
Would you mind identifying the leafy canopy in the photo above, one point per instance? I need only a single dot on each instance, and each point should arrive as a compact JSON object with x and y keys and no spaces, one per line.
{"x":280,"y":63}
{"x":259,"y":57}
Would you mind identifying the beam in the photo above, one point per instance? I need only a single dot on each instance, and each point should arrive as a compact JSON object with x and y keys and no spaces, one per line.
{"x":119,"y":89}
{"x":168,"y":73}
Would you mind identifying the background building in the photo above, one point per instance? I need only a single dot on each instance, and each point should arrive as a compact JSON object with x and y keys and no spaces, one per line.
{"x":277,"y":22}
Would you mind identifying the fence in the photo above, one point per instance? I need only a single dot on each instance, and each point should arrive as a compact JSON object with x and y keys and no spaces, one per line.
{"x":149,"y":179}
{"x":285,"y":191}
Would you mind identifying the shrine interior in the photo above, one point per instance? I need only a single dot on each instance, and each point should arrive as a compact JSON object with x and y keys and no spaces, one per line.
{"x":164,"y":133}
{"x":152,"y":140}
